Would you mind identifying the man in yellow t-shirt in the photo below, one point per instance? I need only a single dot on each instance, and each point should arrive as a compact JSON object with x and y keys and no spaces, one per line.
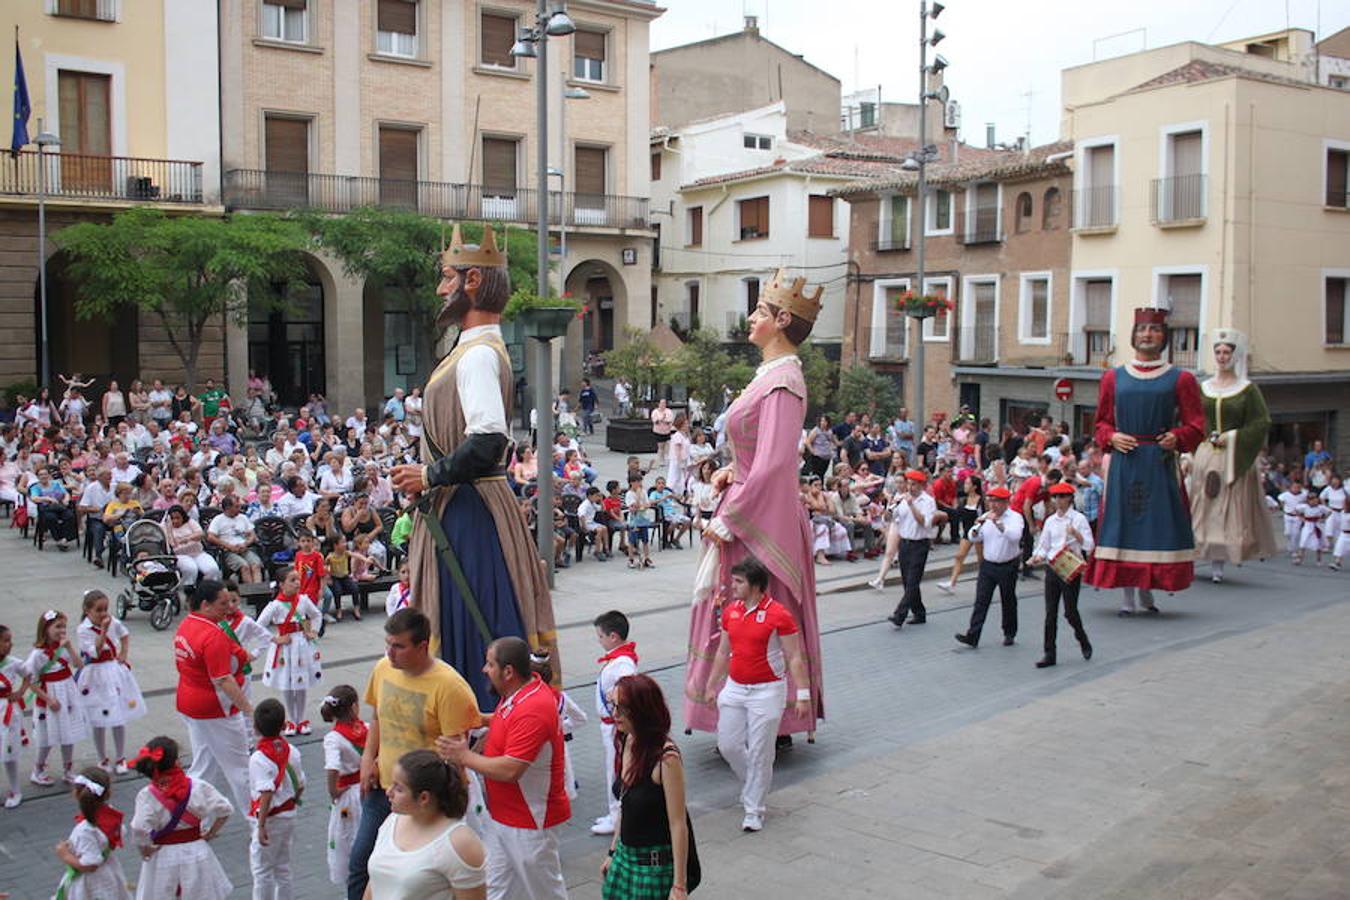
{"x":414,"y":699}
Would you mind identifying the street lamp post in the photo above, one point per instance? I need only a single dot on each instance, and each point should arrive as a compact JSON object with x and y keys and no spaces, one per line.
{"x":924,"y":155}
{"x":551,"y":20}
{"x":44,"y":140}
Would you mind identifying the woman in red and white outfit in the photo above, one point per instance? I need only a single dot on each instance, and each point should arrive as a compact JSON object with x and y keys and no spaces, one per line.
{"x":293,"y":662}
{"x":758,"y":634}
{"x":108,"y":691}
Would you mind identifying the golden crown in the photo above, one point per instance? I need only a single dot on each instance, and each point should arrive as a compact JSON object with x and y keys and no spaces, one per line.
{"x":790,"y":294}
{"x":460,"y":255}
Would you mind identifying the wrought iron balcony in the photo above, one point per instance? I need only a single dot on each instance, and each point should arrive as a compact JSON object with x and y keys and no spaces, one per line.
{"x":1180,"y":198}
{"x":977,"y":344}
{"x":1183,"y":347}
{"x":983,"y":226}
{"x":889,"y":244}
{"x":1094,"y":207}
{"x":1090,"y":346}
{"x":260,"y":189}
{"x":125,"y":178}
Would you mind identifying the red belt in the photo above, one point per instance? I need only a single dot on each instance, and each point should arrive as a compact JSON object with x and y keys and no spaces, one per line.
{"x":288,"y":628}
{"x":53,"y":677}
{"x":284,"y":807}
{"x":180,"y":836}
{"x":346,"y":781}
{"x":607,"y":720}
{"x":106,"y":656}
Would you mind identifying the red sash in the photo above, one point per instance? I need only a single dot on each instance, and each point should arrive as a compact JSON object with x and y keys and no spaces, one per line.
{"x":355,"y":731}
{"x":288,"y":628}
{"x":287,"y":625}
{"x":55,"y":669}
{"x":10,"y":701}
{"x":103,"y":647}
{"x":173,"y":789}
{"x":108,"y":821}
{"x":346,"y":781}
{"x":279,"y":753}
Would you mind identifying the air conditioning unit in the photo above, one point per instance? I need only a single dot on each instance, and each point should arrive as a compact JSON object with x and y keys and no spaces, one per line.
{"x":951,"y":115}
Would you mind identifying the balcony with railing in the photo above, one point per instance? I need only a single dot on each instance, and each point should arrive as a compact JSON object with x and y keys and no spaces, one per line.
{"x":977,"y":344}
{"x":1183,"y":346}
{"x":890,"y":244}
{"x":1178,"y":200}
{"x":1094,"y":208}
{"x":1089,"y":346}
{"x":115,"y":178}
{"x":983,"y":226}
{"x":94,"y":10}
{"x":259,"y":189}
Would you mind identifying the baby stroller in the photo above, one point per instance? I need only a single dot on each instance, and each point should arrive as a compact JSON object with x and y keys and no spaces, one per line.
{"x":153,"y":574}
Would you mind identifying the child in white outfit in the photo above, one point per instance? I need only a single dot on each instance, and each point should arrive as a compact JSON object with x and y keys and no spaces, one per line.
{"x":293,"y":663}
{"x":276,"y":781}
{"x":58,"y":717}
{"x":13,"y":736}
{"x":92,"y":872}
{"x":342,"y":749}
{"x":108,"y":691}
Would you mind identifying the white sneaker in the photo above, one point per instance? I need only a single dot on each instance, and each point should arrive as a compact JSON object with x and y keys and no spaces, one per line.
{"x":752,"y":822}
{"x":1216,"y":578}
{"x":121,"y":767}
{"x":13,"y":799}
{"x":68,"y":776}
{"x":878,"y":584}
{"x":41,"y":778}
{"x":603,"y":825}
{"x":944,"y":586}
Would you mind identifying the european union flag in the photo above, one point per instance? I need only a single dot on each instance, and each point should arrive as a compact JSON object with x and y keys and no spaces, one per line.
{"x":22,"y":107}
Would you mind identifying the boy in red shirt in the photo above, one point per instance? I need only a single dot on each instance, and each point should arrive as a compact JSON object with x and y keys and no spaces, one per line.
{"x":314,"y":575}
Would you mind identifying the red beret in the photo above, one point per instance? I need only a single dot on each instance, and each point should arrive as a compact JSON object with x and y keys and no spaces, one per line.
{"x":916,"y":475}
{"x":1061,"y":488}
{"x":999,"y":493}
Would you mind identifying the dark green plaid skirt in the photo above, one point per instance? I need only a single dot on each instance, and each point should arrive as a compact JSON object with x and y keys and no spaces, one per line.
{"x":629,"y":878}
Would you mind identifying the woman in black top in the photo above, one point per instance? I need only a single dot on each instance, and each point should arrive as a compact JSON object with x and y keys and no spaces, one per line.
{"x":650,"y":855}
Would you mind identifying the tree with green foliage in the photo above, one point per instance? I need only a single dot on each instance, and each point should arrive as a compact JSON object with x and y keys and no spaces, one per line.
{"x":640,"y":363}
{"x":702,"y":365}
{"x":862,"y":389}
{"x":187,"y":271}
{"x":821,"y":374}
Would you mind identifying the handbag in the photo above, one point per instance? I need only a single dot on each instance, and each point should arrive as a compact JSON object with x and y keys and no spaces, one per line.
{"x":693,"y":871}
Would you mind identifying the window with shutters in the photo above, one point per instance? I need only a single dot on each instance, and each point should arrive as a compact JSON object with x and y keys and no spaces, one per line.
{"x":590,"y":176}
{"x":939,"y":215}
{"x":97,"y":10}
{"x":588,"y":55}
{"x":497,"y":34}
{"x":1183,"y":293}
{"x":1033,"y":308}
{"x":1338,"y":176}
{"x":499,"y":166}
{"x":1180,"y":193}
{"x":1334,"y":300}
{"x":396,"y":27}
{"x":286,"y":20}
{"x":1091,"y":346}
{"x":752,"y":218}
{"x":286,"y":159}
{"x":938,"y":327}
{"x":656,"y":167}
{"x":86,"y":129}
{"x":820,"y":216}
{"x":695,"y":226}
{"x":398,"y":167}
{"x":890,"y":325}
{"x":893,"y":231}
{"x":1095,"y":203}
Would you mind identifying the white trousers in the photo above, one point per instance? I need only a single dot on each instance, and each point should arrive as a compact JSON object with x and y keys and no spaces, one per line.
{"x":271,"y":865}
{"x":747,"y":724}
{"x":1293,"y":527}
{"x":607,"y":782}
{"x":224,"y":743}
{"x":194,"y":568}
{"x":523,"y":863}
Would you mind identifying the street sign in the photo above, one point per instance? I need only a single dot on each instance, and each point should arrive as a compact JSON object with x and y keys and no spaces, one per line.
{"x":1063,"y":389}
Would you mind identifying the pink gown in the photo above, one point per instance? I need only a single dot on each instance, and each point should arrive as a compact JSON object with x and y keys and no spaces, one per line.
{"x":763,"y":511}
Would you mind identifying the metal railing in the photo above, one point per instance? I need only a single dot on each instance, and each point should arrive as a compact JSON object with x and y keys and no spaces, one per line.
{"x":885,"y":245}
{"x":983,"y":226}
{"x":1183,"y":346}
{"x":978,"y":343}
{"x":103,"y":177}
{"x":1094,"y":207}
{"x":97,"y":10}
{"x":1090,"y":346}
{"x":262,"y":189}
{"x":1338,"y":199}
{"x":1177,"y":199}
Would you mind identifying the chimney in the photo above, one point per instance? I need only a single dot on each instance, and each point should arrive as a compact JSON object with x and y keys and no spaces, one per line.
{"x":752,"y":24}
{"x":989,"y":135}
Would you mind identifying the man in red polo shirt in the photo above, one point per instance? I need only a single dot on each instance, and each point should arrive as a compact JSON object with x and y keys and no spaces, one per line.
{"x":210,"y":695}
{"x":1030,"y":492}
{"x":522,"y":765}
{"x":758,"y":632}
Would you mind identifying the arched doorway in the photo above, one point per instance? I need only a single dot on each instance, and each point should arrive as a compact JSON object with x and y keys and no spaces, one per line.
{"x":601,"y":288}
{"x":286,"y":342}
{"x":98,"y":347}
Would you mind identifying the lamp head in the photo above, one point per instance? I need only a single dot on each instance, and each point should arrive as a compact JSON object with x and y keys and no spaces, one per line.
{"x":560,"y":24}
{"x":936,"y":10}
{"x":576,"y":93}
{"x":937,"y":37}
{"x":910,"y":164}
{"x":47,"y":139}
{"x":523,"y":48}
{"x":939,"y":63}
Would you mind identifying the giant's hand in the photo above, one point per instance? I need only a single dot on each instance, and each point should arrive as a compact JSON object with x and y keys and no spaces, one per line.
{"x":410,"y":480}
{"x":1123,"y":442}
{"x":721,"y":478}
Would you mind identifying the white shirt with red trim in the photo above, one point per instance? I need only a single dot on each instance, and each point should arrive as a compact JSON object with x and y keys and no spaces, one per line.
{"x":756,"y":651}
{"x":526,"y":726}
{"x":262,"y":776}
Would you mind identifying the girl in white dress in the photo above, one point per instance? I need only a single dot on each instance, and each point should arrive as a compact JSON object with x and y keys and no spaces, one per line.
{"x":108,"y":691}
{"x":92,"y":872}
{"x":58,"y":717}
{"x":342,"y":749}
{"x":244,"y":631}
{"x":424,"y":850}
{"x":293,"y":662}
{"x":175,"y":817}
{"x":1314,"y":534}
{"x":13,"y":687}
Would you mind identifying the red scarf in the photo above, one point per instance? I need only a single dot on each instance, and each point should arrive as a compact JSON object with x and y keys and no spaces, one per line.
{"x":279,"y":753}
{"x":355,"y":731}
{"x":103,"y":648}
{"x":629,"y":650}
{"x":173,"y":785}
{"x":108,"y":821}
